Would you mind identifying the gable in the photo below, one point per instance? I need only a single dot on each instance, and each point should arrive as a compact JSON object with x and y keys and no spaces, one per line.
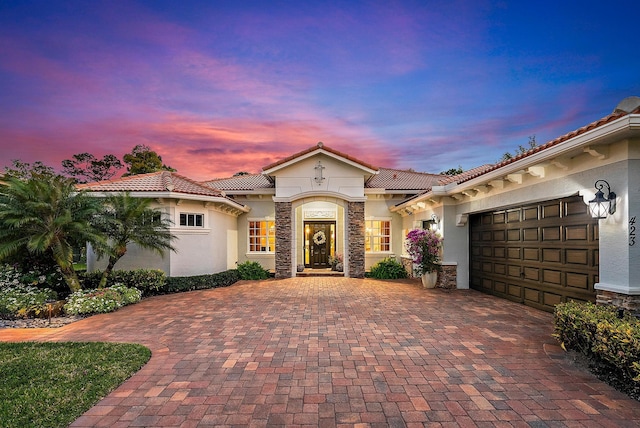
{"x":320,"y":170}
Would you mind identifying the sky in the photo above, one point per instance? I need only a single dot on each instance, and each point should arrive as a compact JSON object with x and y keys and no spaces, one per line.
{"x":218,"y":87}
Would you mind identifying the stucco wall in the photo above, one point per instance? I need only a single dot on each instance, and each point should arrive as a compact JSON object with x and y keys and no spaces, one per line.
{"x":339,"y":177}
{"x":200,"y":250}
{"x":261,"y":209}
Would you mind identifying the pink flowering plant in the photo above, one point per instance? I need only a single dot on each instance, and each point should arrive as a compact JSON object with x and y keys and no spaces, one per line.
{"x":423,"y":245}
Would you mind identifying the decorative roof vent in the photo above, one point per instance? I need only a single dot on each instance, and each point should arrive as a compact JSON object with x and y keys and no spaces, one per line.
{"x":628,"y":105}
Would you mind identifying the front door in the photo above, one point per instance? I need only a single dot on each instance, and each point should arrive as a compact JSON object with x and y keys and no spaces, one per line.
{"x":318,"y":244}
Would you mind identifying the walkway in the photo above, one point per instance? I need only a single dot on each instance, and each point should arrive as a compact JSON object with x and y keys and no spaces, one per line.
{"x":342,"y":352}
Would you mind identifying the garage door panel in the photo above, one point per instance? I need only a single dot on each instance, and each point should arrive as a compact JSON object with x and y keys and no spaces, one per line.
{"x":532,"y":274}
{"x":574,"y":207}
{"x":551,"y":255}
{"x":577,"y":256}
{"x":513,"y":253}
{"x":513,"y":216}
{"x":515,"y":291}
{"x":531,"y":254}
{"x":550,"y":250}
{"x":499,"y":218}
{"x":576,"y":233}
{"x":530,"y":213}
{"x":530,"y":234}
{"x":551,"y":211}
{"x":552,"y":299}
{"x":552,"y":276}
{"x":578,"y":280}
{"x":551,"y":233}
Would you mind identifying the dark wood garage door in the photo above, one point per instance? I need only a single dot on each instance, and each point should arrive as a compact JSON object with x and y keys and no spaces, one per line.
{"x":539,"y":254}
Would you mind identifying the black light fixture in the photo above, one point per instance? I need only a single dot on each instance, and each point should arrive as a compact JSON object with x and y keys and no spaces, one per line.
{"x":432,"y":224}
{"x":600,"y":206}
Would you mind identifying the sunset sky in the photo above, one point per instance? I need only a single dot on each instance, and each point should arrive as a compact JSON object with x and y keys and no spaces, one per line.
{"x":217,"y":87}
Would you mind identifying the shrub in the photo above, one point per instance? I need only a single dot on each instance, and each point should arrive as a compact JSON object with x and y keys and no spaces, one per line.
{"x":24,"y":300}
{"x":388,"y":268}
{"x":148,"y":281}
{"x":252,"y":271}
{"x":36,"y":276}
{"x":101,"y":300}
{"x":598,"y":332}
{"x":186,"y":283}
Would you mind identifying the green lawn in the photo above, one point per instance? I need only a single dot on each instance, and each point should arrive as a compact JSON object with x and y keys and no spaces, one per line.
{"x":52,"y":384}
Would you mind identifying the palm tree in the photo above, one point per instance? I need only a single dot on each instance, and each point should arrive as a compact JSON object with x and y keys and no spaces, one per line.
{"x":47,"y":217}
{"x":131,"y":220}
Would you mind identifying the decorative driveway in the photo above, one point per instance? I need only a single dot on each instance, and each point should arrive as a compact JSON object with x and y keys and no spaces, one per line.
{"x":343,"y":352}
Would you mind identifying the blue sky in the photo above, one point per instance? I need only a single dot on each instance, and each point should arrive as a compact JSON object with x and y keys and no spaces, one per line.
{"x":219,"y":87}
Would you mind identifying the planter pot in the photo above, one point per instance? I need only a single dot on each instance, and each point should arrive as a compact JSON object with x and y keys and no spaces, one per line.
{"x":300,"y":268}
{"x":429,"y":279}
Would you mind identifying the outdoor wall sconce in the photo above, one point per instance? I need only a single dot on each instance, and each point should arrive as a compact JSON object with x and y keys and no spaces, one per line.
{"x":600,"y":206}
{"x":431,"y":224}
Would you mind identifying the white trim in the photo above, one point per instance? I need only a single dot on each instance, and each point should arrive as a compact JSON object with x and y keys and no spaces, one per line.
{"x":315,"y":152}
{"x":617,"y":289}
{"x":320,"y":194}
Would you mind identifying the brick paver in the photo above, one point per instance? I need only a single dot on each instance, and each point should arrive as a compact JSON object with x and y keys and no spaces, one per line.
{"x":335,"y":352}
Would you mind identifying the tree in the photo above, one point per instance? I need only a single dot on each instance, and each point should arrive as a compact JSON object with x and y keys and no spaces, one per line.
{"x":25,"y":170}
{"x":453,"y":171}
{"x":521,"y":149}
{"x":85,"y":167}
{"x":47,"y":217}
{"x":143,"y":160}
{"x":129,"y":220}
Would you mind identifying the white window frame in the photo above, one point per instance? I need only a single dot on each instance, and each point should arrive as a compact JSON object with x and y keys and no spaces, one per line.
{"x":368,"y":237}
{"x":195,"y":216}
{"x":269,"y":233}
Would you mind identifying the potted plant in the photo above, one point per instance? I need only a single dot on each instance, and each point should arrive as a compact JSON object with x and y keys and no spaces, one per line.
{"x":424,"y":245}
{"x":336,"y":262}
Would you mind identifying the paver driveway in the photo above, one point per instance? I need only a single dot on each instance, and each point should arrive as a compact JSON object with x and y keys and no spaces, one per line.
{"x":344,"y":352}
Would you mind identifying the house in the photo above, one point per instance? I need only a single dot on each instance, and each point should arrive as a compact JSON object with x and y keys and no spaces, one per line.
{"x":520,"y":229}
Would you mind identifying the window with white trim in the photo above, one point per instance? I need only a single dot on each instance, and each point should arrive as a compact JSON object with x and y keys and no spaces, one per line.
{"x":377,"y":237}
{"x":262,"y":236}
{"x":191,"y":220}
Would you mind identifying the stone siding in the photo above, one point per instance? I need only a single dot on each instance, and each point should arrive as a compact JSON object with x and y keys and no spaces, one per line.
{"x":448,"y":277}
{"x":355,"y":228}
{"x":283,"y":239}
{"x":627,"y":302}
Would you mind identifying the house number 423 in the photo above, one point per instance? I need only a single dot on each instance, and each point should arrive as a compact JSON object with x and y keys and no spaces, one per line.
{"x":632,"y":231}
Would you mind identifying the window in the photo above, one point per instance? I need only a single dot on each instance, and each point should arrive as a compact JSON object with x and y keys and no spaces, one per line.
{"x":377,"y":236}
{"x":191,"y":220}
{"x":262,"y":236}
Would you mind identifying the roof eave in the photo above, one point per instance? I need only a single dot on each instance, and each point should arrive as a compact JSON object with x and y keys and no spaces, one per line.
{"x":601,"y":135}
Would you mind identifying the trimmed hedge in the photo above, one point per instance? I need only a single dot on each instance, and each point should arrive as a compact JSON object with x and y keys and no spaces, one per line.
{"x":177,"y":284}
{"x":597,"y":332}
{"x":148,"y":281}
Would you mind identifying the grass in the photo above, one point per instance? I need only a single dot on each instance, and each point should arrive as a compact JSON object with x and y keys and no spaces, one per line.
{"x":52,"y":384}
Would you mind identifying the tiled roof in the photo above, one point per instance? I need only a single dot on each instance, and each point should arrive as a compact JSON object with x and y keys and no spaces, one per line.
{"x":466,"y":175}
{"x":161,"y":181}
{"x":241,"y":182}
{"x":319,"y":146}
{"x":471,"y":174}
{"x":397,"y":179}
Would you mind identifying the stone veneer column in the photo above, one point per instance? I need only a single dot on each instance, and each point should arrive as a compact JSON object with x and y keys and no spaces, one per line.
{"x":283,"y":239}
{"x":355,"y":238}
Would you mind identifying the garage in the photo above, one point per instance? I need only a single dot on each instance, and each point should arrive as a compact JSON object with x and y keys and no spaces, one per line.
{"x":539,"y":254}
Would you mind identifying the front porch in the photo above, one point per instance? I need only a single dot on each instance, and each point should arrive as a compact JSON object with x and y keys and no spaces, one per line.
{"x":309,"y":272}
